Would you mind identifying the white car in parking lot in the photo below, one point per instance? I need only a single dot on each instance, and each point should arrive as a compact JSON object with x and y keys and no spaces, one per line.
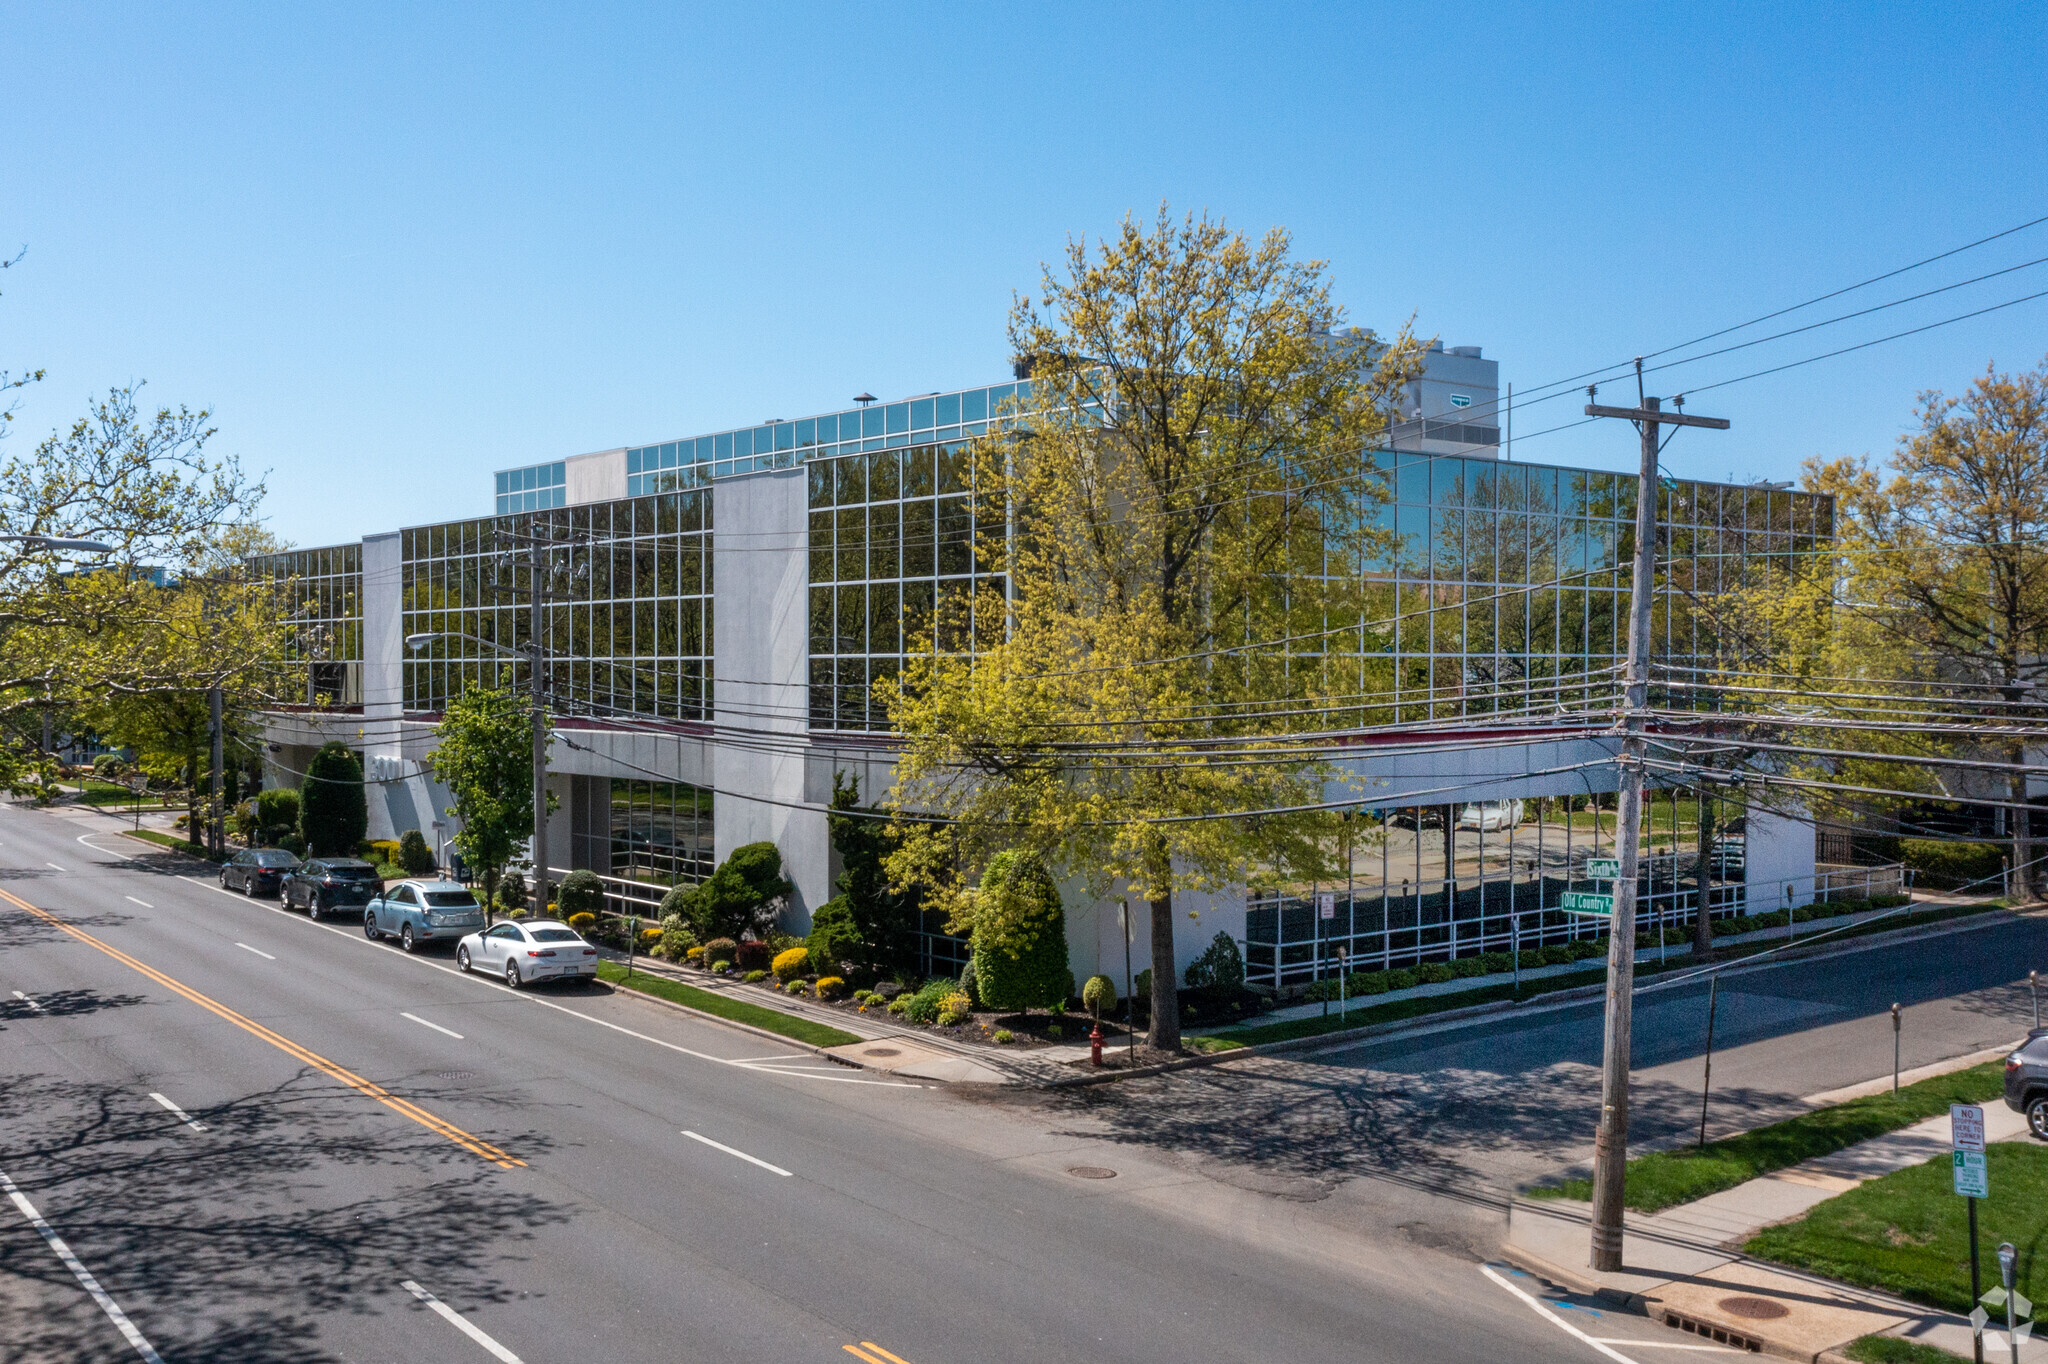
{"x":525,"y":952}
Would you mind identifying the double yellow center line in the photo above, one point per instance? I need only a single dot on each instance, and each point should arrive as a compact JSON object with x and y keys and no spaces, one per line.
{"x":476,"y":1145}
{"x":873,"y":1353}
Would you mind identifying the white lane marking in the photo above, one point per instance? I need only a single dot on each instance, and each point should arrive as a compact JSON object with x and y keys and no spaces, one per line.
{"x":425,"y":1024}
{"x":751,"y":1160}
{"x":81,"y":1273}
{"x":183,"y":1116}
{"x":133,"y":901}
{"x":461,"y":1323}
{"x":1660,"y":1344}
{"x":53,"y":864}
{"x":789,"y":1056}
{"x":28,"y":1000}
{"x":1555,"y":1320}
{"x":355,"y":936}
{"x":257,"y":950}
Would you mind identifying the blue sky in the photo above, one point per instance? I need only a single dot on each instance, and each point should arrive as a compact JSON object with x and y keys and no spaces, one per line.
{"x":396,"y":248}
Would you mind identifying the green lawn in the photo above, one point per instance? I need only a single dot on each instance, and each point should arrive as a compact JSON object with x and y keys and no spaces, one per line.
{"x":107,"y":793}
{"x":724,"y":1006}
{"x":162,"y":840}
{"x":1908,"y":1233}
{"x":1896,"y":1350}
{"x":1666,"y":1178}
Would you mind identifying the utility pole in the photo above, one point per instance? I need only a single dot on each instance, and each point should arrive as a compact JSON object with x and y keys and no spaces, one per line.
{"x":217,"y":830}
{"x":1610,"y":1141}
{"x":534,"y":600}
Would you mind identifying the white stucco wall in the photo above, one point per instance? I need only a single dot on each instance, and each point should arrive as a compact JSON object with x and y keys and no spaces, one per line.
{"x":1778,"y":855}
{"x":760,"y":635}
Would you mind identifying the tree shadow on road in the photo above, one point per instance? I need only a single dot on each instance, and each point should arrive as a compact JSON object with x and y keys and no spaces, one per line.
{"x":233,"y":1243}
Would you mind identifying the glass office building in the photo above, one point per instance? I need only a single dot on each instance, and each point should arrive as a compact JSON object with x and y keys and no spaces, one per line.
{"x":1501,"y":589}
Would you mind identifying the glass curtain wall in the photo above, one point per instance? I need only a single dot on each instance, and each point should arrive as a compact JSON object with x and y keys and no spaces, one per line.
{"x":627,"y":622}
{"x":1508,"y":589}
{"x":660,"y":832}
{"x":324,"y":640}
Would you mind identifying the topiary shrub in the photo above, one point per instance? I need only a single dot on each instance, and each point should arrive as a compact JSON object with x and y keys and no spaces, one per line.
{"x":581,"y":892}
{"x":752,"y":956}
{"x":583,"y":922}
{"x":1582,"y":949}
{"x":333,"y":814}
{"x":1433,"y":973}
{"x":1020,"y":935}
{"x":1556,"y":954}
{"x":718,"y":950}
{"x":830,"y":987}
{"x":790,"y":964}
{"x":1004,"y":1037}
{"x":833,"y":939}
{"x":1403,"y":979}
{"x":1493,"y":963}
{"x":1099,"y":994}
{"x":1464,"y":968}
{"x":755,"y":977}
{"x":796,"y":987}
{"x":1367,"y":983}
{"x":1219,"y":968}
{"x":413,"y":853}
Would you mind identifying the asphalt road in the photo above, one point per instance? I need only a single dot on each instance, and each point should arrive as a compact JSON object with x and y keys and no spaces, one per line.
{"x":265,"y":1139}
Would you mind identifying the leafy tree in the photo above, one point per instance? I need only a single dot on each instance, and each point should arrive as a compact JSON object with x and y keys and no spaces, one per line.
{"x":485,"y":758}
{"x":1195,"y":461}
{"x":885,"y":919}
{"x":333,"y":814}
{"x":1020,"y":935}
{"x":1936,"y":595}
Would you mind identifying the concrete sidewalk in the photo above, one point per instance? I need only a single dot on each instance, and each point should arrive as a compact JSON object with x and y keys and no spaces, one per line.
{"x":1684,"y":1266}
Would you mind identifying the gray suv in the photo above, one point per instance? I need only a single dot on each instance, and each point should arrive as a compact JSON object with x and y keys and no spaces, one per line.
{"x":418,"y":912}
{"x":2026,"y":1082}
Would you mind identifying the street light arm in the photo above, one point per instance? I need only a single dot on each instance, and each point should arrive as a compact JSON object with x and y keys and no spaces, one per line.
{"x":421,"y":641}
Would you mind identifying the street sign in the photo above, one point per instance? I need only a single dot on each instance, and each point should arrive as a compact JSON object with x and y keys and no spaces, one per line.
{"x":1586,"y":902}
{"x":1970,"y":1177}
{"x":1326,"y":905}
{"x":1966,"y":1127}
{"x":1603,"y":868}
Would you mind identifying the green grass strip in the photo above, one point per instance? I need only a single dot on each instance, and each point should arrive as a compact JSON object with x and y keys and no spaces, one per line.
{"x":1907,"y":1233}
{"x":163,"y":840}
{"x":1896,"y":1350}
{"x":724,"y":1006}
{"x":1664,"y":1179}
{"x":1362,"y":1015}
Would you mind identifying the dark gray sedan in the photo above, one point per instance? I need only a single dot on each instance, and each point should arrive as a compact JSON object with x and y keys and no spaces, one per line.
{"x":257,"y":871}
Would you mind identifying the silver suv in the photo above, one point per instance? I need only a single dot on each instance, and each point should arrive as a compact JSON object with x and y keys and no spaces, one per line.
{"x":2026,"y":1082}
{"x":418,"y":912}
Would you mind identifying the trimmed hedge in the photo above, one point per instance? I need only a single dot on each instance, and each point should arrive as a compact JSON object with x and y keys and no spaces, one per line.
{"x":1950,"y":866}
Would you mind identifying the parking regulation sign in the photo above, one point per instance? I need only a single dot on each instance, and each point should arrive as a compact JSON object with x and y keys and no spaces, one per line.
{"x":1326,"y":905}
{"x":1966,"y":1139}
{"x":1971,"y":1179}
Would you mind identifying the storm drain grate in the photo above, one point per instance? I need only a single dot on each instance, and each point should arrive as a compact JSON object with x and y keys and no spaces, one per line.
{"x":458,"y":1075}
{"x":1708,"y":1331}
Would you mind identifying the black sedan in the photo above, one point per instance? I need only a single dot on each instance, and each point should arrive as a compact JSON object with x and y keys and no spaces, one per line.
{"x":325,"y":884}
{"x":257,"y":871}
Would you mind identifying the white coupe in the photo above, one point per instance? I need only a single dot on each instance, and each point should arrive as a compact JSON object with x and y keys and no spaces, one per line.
{"x":524,"y":952}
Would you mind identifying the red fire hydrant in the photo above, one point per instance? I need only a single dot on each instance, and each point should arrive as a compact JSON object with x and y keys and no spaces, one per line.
{"x":1095,"y":1044}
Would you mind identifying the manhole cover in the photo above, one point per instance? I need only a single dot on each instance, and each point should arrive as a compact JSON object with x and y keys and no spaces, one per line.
{"x":883,"y":1051}
{"x":1754,"y":1309}
{"x":1091,"y":1172}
